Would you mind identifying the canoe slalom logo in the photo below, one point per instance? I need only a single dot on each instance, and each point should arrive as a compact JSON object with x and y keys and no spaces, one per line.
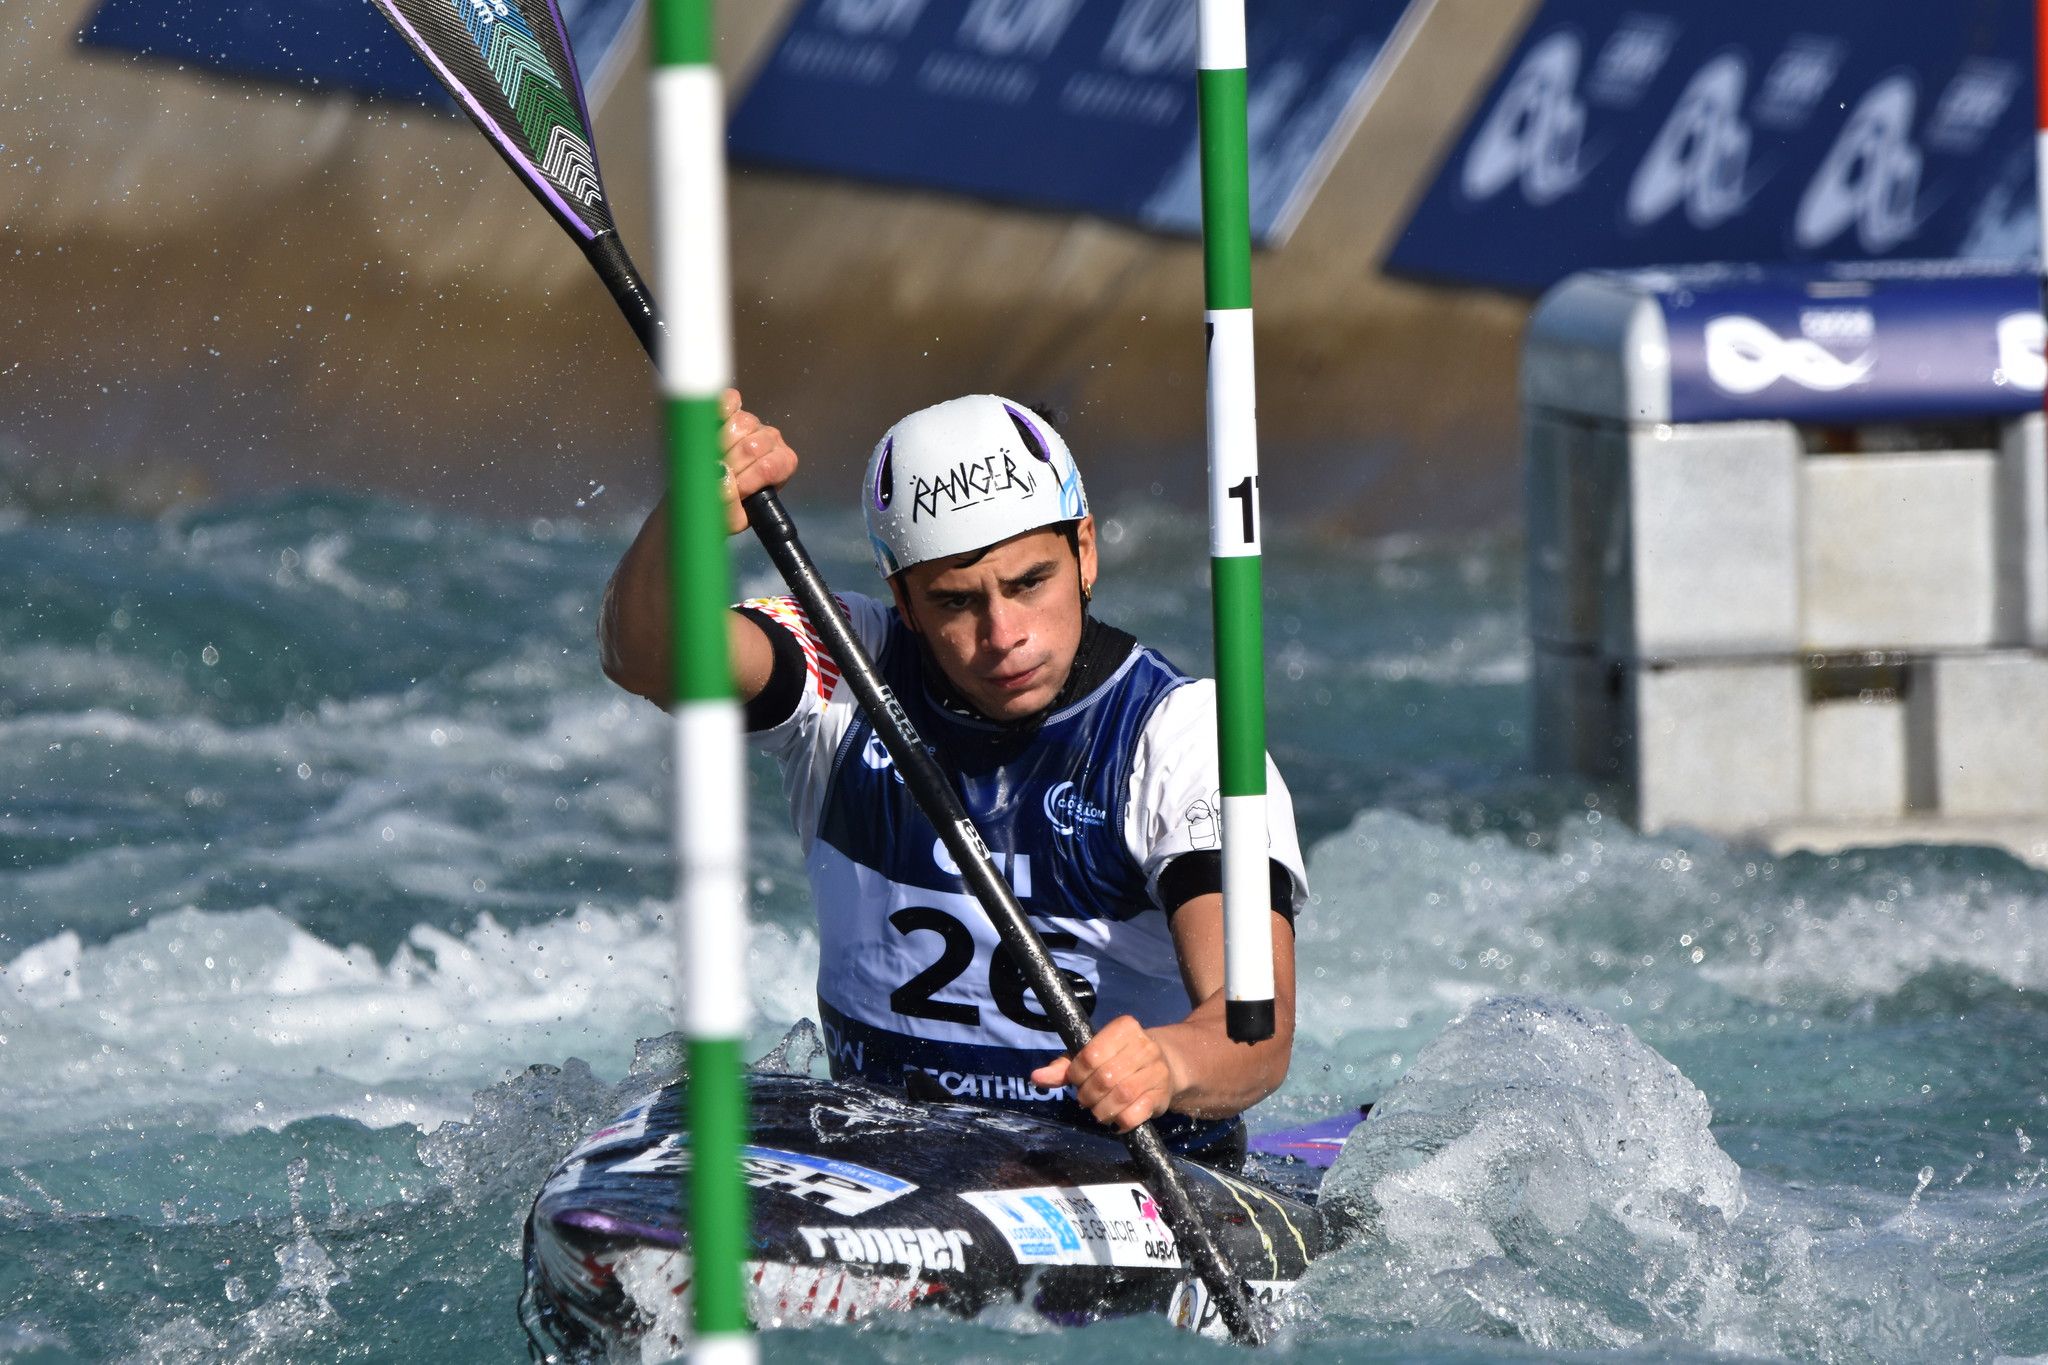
{"x":1701,"y":156}
{"x":1535,"y":132}
{"x":1066,"y":810}
{"x":1871,"y":178}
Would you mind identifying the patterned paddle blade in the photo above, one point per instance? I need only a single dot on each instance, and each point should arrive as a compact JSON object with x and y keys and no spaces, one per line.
{"x":509,"y":64}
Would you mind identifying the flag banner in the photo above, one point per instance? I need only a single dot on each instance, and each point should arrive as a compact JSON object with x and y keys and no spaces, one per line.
{"x":335,"y":45}
{"x":1641,"y":132}
{"x":1083,"y":105}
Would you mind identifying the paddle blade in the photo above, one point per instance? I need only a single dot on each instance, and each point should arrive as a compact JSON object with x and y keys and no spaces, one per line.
{"x":508,"y":63}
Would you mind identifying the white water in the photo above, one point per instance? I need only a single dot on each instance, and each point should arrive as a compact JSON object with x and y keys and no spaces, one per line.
{"x":297,"y":942}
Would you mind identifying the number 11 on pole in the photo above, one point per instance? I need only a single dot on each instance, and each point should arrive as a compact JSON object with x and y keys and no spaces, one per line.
{"x":1234,"y":522}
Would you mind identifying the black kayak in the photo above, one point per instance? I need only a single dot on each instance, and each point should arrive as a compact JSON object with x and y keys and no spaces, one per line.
{"x":865,"y":1203}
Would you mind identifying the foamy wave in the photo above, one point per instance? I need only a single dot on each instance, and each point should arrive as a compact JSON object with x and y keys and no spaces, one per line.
{"x":1870,"y":947}
{"x":1414,"y":919}
{"x":249,"y":1021}
{"x":1543,"y":1174}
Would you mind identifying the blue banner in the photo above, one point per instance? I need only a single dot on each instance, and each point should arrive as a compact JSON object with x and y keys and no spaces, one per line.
{"x":1638,"y":132}
{"x":1853,"y":343}
{"x":318,"y":44}
{"x":1083,"y":105}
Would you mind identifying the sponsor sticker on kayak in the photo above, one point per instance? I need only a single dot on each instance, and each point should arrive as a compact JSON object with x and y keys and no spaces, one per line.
{"x":838,"y":1186}
{"x":1118,"y":1225}
{"x":918,"y":1248}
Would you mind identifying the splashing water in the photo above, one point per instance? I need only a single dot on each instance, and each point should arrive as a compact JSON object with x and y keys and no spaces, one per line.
{"x":1540,"y":1171}
{"x":327,"y":851}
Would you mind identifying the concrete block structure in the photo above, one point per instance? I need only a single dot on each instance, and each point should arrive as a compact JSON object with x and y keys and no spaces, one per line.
{"x":1898,"y":551}
{"x":1788,"y":550}
{"x":1714,"y":743}
{"x":1717,"y":576}
{"x":1854,"y":754}
{"x":2022,"y":510}
{"x":1979,"y":729}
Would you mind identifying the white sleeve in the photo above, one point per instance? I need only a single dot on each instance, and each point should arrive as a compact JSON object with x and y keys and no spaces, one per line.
{"x":805,"y":744}
{"x":1175,"y":804}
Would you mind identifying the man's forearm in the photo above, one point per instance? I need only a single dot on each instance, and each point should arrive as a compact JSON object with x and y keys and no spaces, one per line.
{"x":635,"y":629}
{"x":634,"y":642}
{"x":1214,"y":1077}
{"x":634,"y":638}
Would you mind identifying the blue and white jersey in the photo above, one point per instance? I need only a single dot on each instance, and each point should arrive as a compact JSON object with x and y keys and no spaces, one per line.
{"x":1082,"y":815}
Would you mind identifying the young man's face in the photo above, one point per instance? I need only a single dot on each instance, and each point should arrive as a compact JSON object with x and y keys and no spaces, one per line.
{"x":1004,"y":623}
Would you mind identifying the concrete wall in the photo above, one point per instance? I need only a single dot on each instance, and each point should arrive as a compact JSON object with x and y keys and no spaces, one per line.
{"x":212,"y":283}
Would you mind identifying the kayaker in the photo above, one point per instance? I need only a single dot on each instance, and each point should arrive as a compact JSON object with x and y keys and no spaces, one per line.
{"x":1087,"y":761}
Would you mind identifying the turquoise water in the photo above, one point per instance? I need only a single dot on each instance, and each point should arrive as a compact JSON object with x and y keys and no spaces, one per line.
{"x":331,"y":907}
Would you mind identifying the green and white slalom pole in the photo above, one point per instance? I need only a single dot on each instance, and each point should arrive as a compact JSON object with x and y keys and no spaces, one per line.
{"x":695,"y":360}
{"x":1234,"y":523}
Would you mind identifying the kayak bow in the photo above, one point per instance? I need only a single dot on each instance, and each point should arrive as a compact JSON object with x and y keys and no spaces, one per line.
{"x":867,"y":1203}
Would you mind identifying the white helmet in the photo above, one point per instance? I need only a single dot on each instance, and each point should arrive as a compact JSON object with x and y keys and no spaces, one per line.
{"x":962,"y":475}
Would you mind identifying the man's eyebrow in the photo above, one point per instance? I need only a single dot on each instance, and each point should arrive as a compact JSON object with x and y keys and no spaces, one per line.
{"x":1041,"y":569}
{"x":1038,"y":570}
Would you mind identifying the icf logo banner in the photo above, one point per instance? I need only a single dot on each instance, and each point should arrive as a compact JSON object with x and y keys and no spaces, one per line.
{"x":1640,"y":132}
{"x":1085,"y":105}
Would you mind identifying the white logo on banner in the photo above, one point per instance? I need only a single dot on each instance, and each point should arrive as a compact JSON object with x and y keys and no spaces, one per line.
{"x":1837,"y":324}
{"x":1016,"y":28}
{"x":1701,"y":154}
{"x":1534,"y":132}
{"x":2020,"y":343}
{"x":1744,"y":356}
{"x":1796,"y":81}
{"x":1871,"y":178}
{"x":2006,"y":224}
{"x":861,"y":17}
{"x":1152,"y":36}
{"x":1972,"y":105}
{"x":1631,"y":60}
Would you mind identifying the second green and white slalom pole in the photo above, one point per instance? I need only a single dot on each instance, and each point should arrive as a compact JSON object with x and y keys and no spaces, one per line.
{"x":695,"y":359}
{"x":1234,"y":522}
